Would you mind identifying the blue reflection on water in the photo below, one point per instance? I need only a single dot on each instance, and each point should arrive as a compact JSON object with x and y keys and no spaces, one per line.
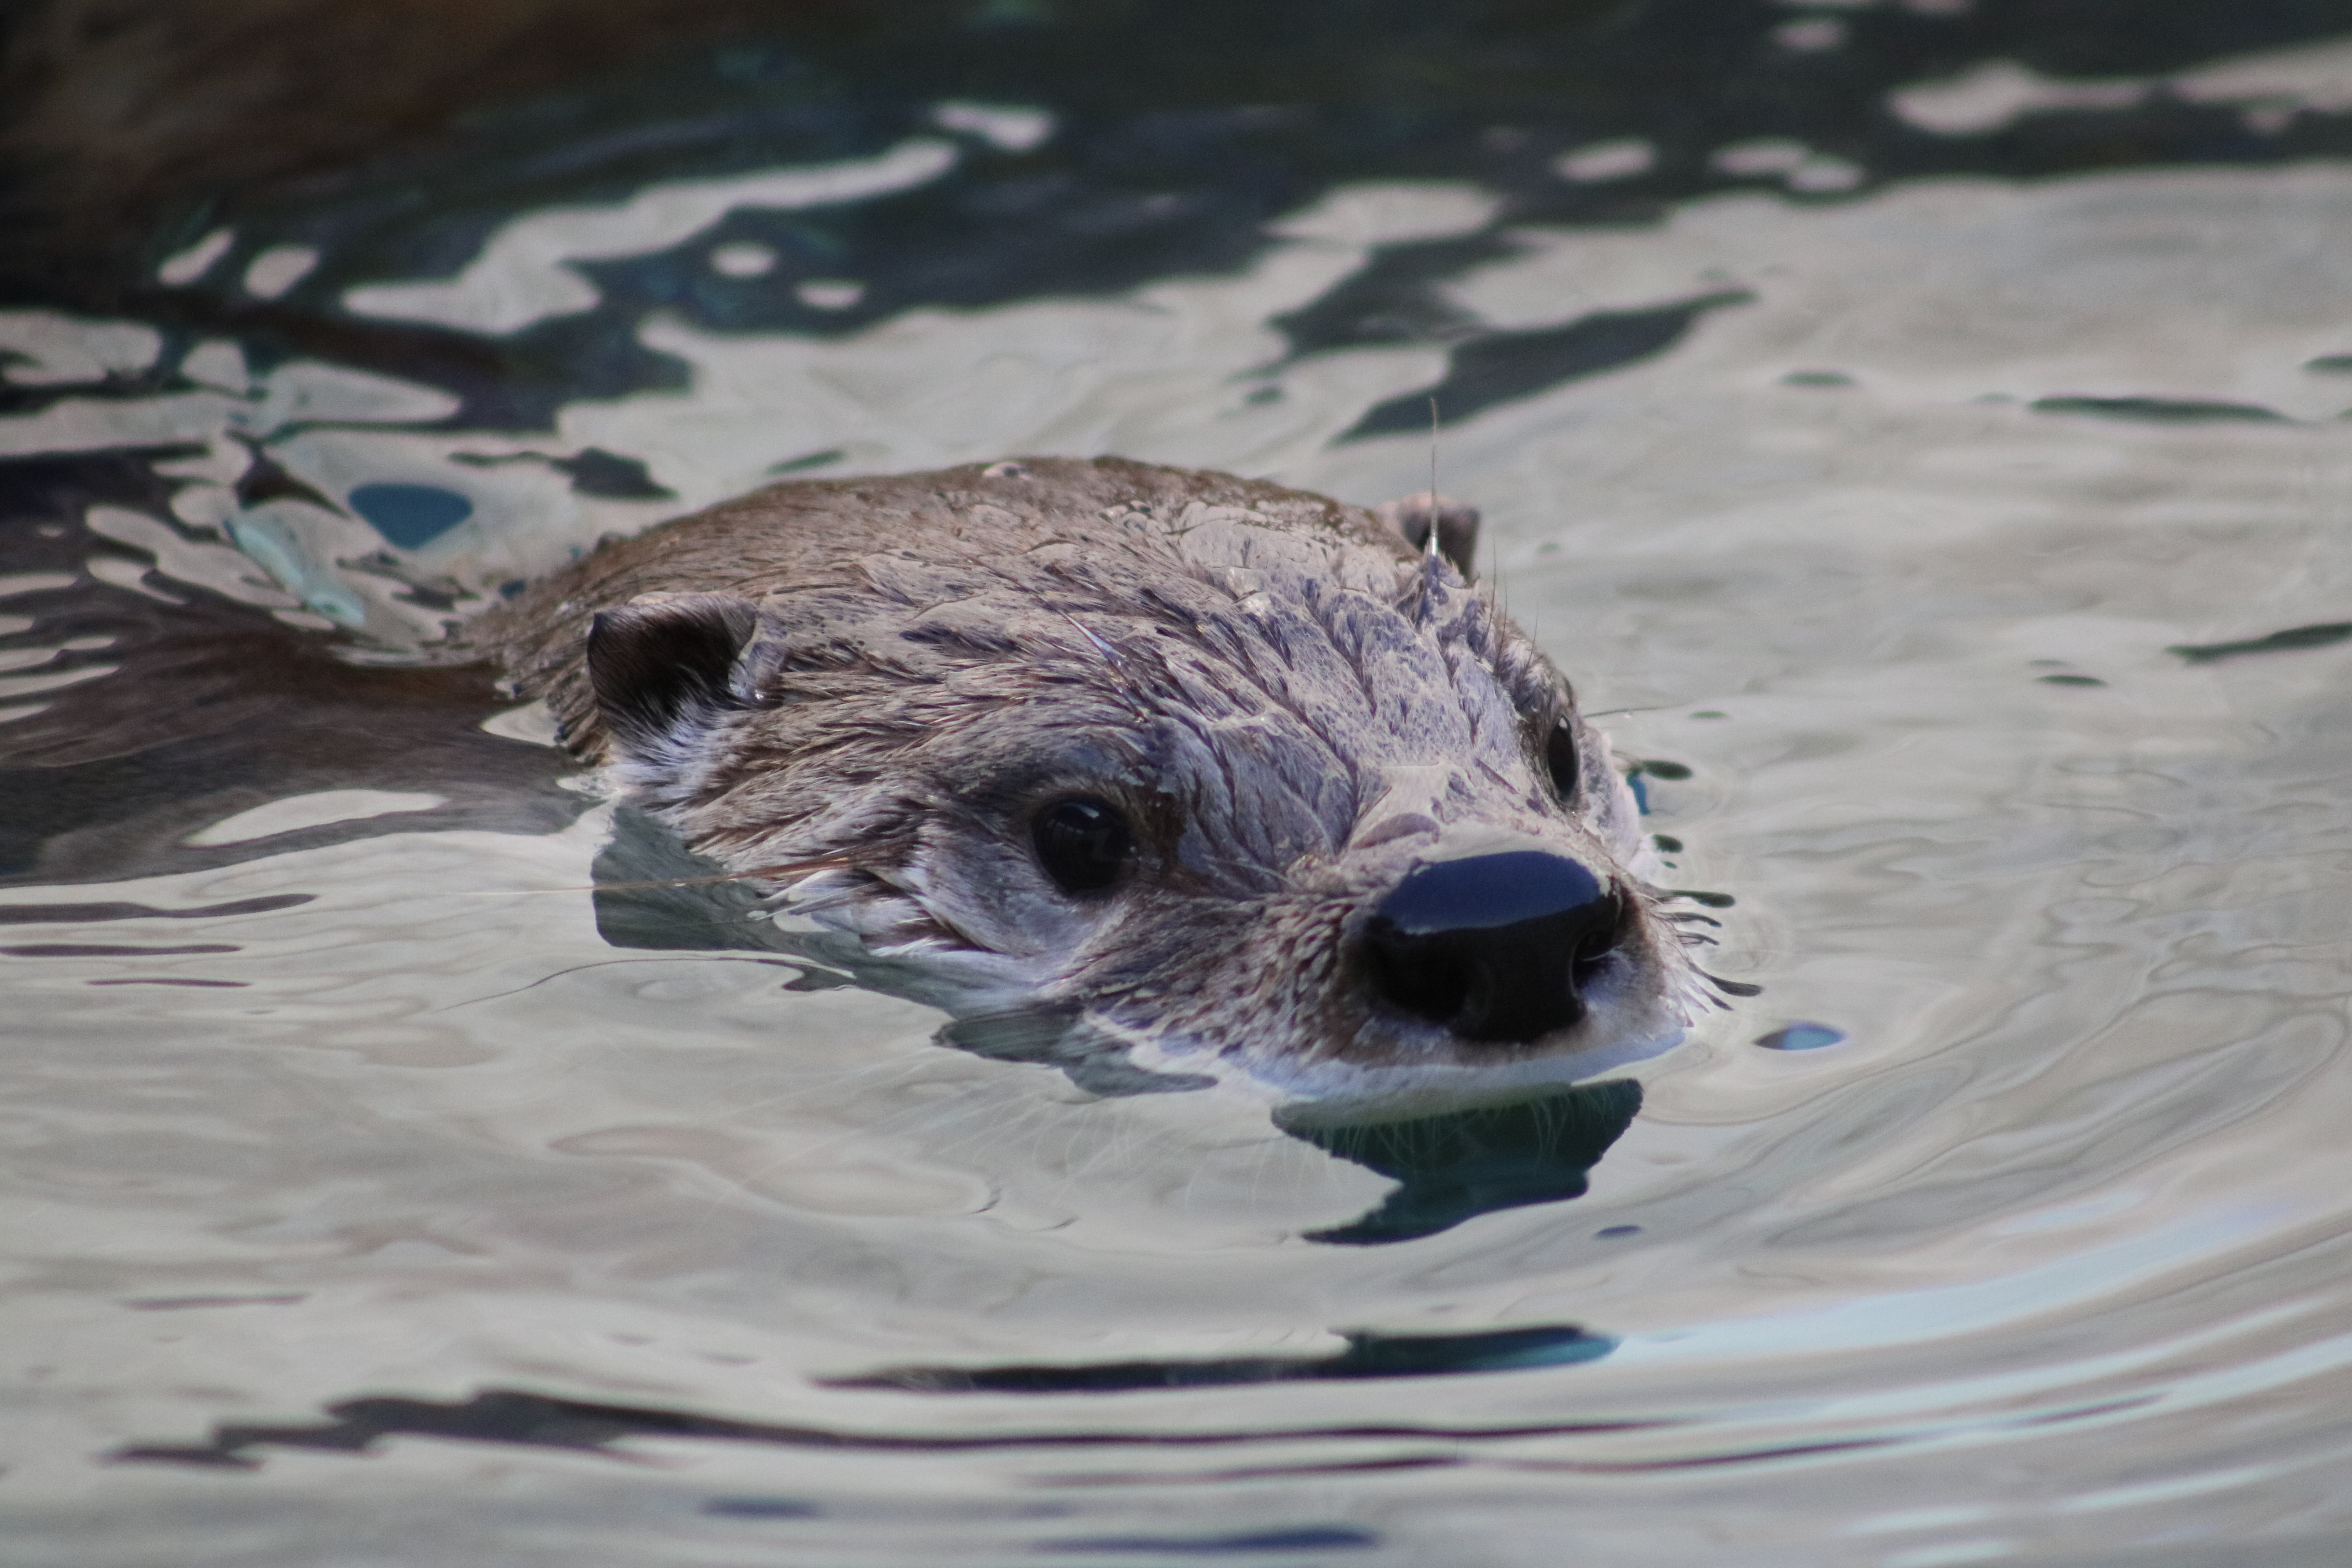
{"x":411,"y":516}
{"x":1801,"y":1038}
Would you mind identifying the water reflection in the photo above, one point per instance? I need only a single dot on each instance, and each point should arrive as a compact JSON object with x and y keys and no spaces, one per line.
{"x":1488,"y":368}
{"x":1456,"y":1166}
{"x":1368,"y":1355}
{"x":2293,"y":638}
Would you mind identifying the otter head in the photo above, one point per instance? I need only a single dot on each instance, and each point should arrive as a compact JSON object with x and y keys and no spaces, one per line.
{"x":1241,"y":790}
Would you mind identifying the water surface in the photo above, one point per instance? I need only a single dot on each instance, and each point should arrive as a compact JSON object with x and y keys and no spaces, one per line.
{"x":1930,"y":458}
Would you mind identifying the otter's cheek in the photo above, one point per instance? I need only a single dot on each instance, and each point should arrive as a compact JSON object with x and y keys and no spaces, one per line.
{"x":994,"y":897}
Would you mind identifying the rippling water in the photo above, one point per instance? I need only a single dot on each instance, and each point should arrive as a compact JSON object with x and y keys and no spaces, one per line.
{"x":1950,"y":503}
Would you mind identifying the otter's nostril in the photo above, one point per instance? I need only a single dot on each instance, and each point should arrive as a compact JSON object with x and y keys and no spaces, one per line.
{"x":1497,"y":947}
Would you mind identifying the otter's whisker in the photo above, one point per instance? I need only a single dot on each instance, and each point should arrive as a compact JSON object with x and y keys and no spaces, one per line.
{"x":610,"y":964}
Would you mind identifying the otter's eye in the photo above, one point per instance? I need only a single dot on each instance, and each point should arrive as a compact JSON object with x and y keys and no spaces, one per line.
{"x":1560,"y":756}
{"x":1083,"y":844}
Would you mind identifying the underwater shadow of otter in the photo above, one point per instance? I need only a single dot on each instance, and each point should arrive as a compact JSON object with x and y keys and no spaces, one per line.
{"x":652,"y":893}
{"x":1464,"y":1163}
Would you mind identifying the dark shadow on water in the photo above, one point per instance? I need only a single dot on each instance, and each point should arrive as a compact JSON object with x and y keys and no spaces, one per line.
{"x":1396,"y":298}
{"x":1057,"y":1037}
{"x":1324,"y":1538}
{"x":592,"y":471}
{"x":542,"y":1421}
{"x":653,"y":893}
{"x":1502,"y":367}
{"x":2161,"y":410}
{"x":190,"y":707}
{"x":2326,"y":635}
{"x":1459,"y":1166}
{"x":1368,"y":1355}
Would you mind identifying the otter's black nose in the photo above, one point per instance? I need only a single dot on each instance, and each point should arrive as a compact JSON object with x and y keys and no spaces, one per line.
{"x":1495,"y":947}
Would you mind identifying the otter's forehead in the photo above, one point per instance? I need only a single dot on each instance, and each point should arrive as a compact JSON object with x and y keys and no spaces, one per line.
{"x":1285,"y":686}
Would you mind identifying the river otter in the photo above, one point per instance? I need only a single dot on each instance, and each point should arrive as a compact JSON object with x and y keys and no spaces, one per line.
{"x":1245,"y":780}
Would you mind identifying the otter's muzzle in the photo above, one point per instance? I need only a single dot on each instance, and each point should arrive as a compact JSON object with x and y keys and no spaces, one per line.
{"x":1495,"y":947}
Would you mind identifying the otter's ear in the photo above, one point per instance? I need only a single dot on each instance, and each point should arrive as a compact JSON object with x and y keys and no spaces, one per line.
{"x":662,"y":664}
{"x":1456,"y":525}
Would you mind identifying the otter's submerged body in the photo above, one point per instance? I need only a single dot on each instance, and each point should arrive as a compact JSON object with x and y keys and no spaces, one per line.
{"x":1232,"y":777}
